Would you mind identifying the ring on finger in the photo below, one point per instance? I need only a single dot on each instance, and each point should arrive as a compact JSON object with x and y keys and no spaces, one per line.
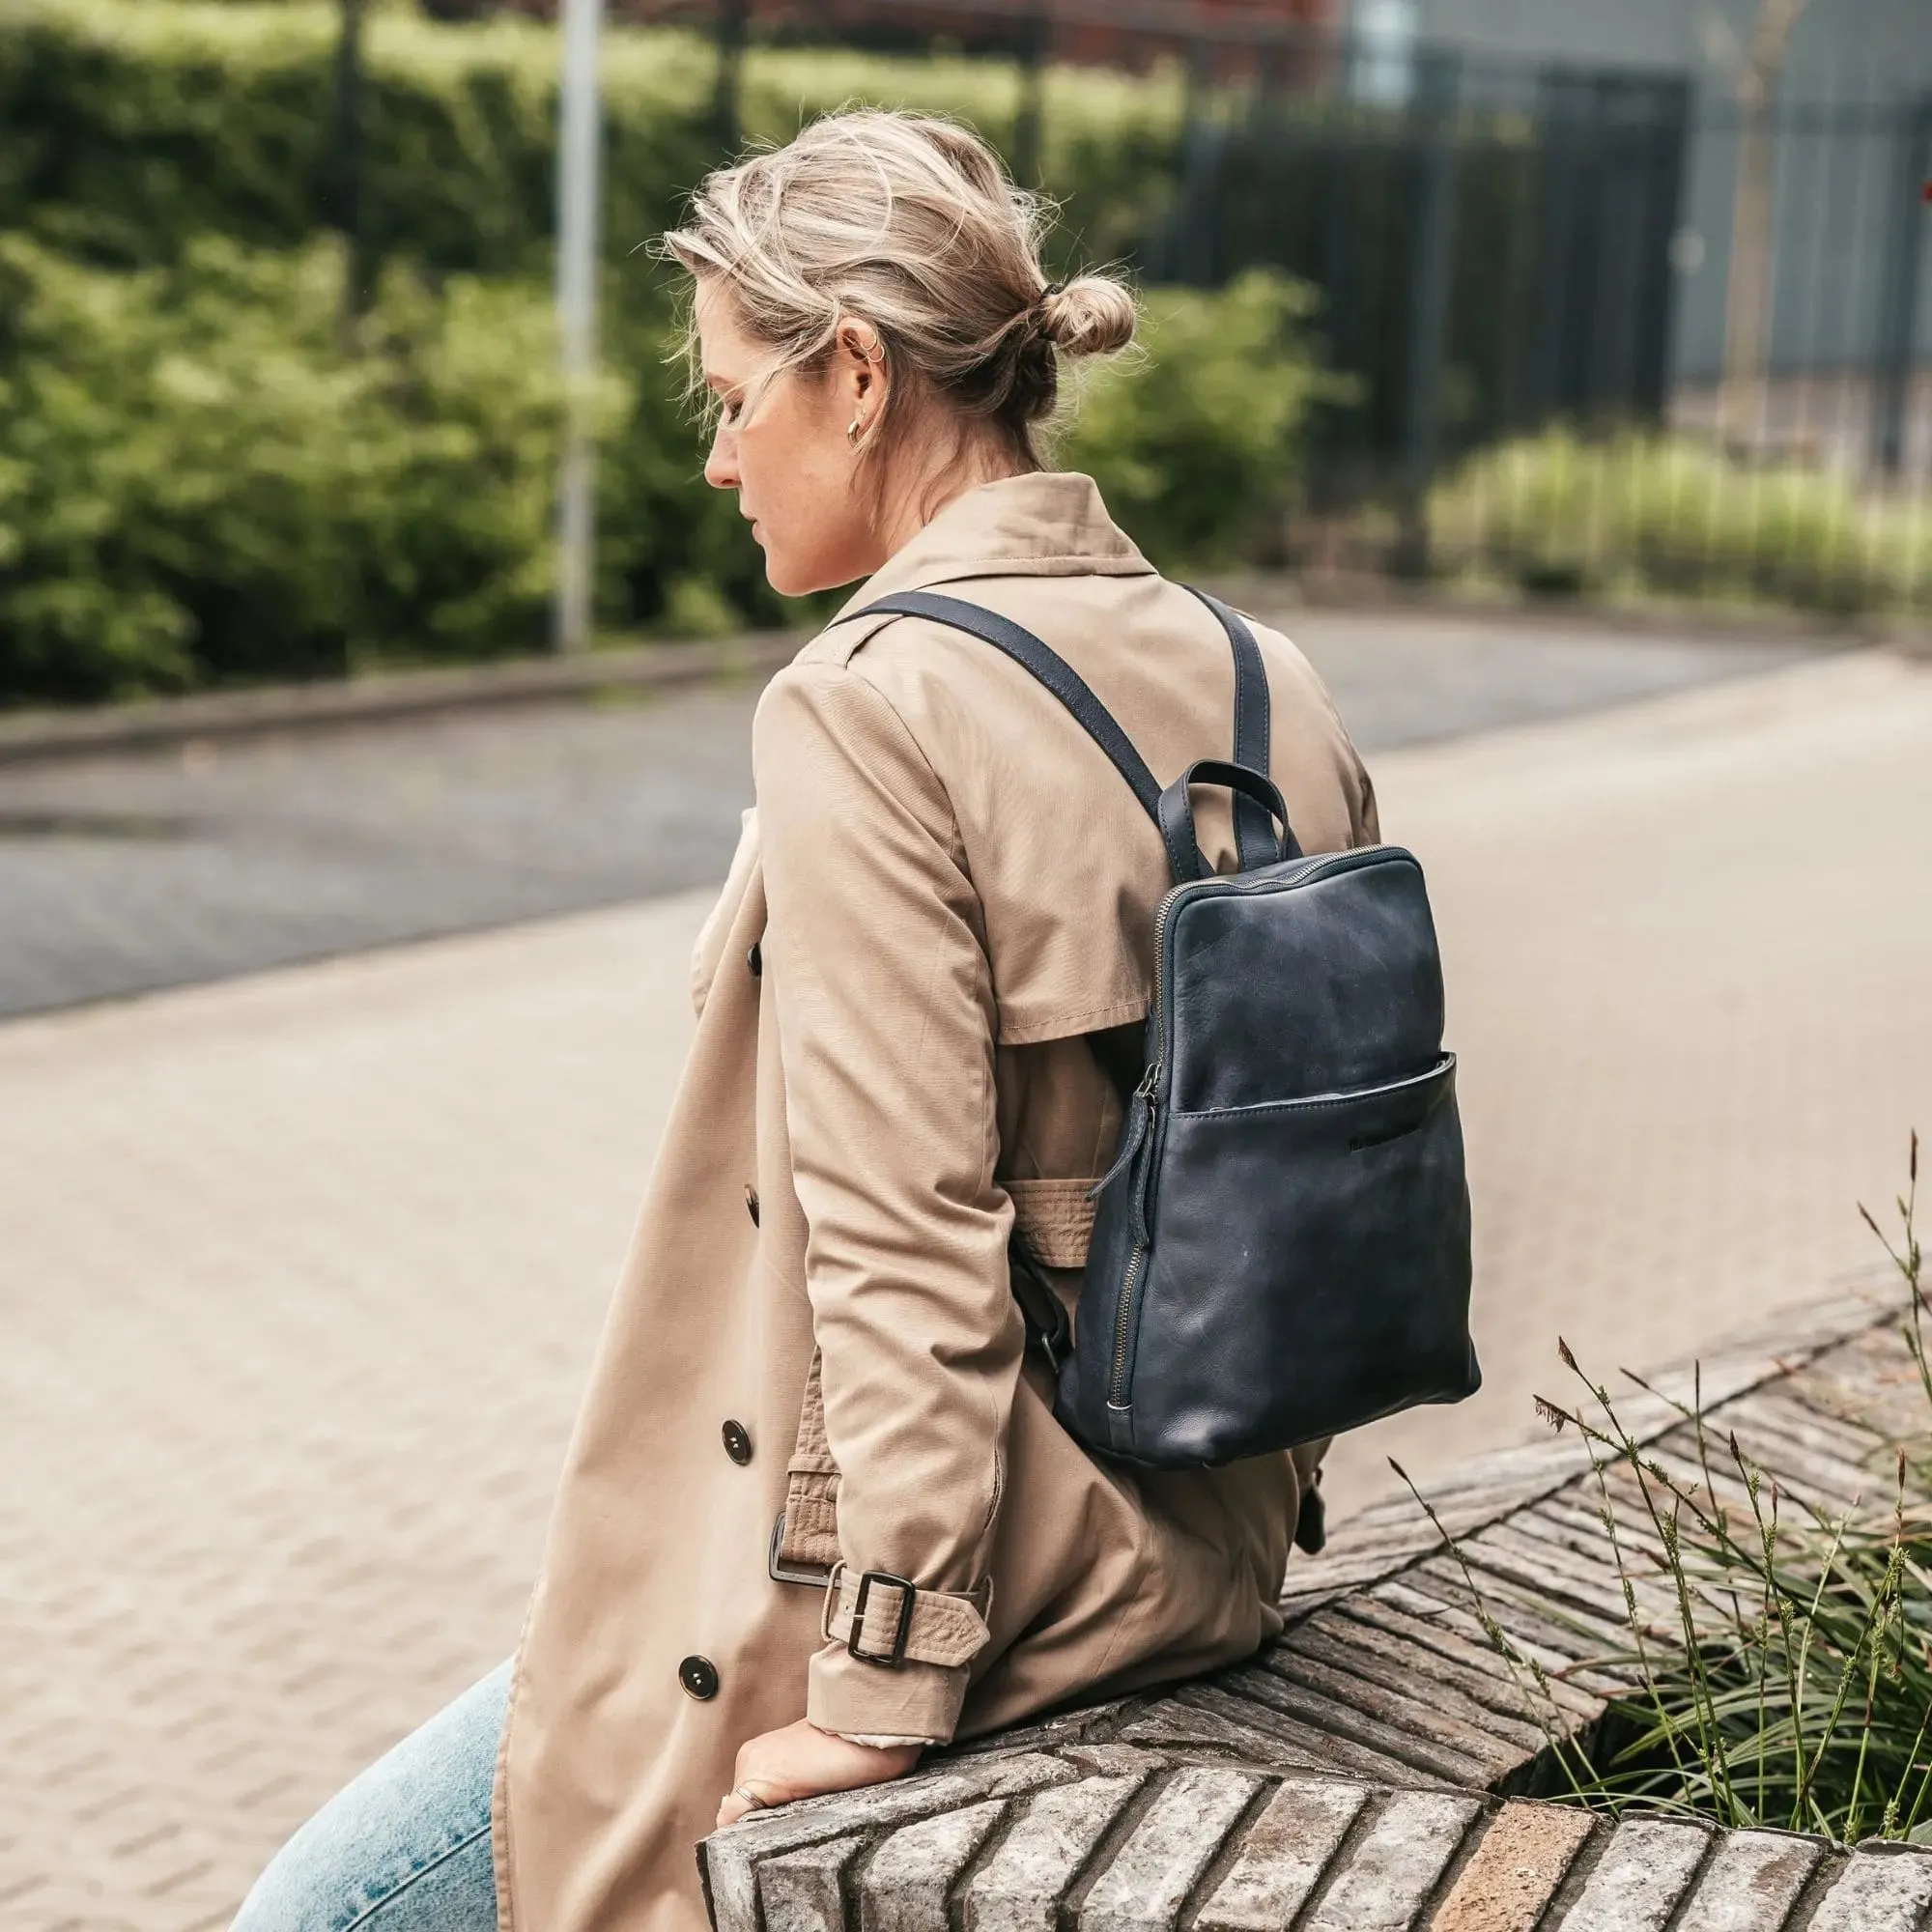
{"x":750,"y":1796}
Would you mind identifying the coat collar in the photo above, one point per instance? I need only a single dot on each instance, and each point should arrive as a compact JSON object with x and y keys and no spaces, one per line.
{"x":1050,"y":524}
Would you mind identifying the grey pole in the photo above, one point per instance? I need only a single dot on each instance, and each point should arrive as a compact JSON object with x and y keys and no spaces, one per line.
{"x":345,"y":168}
{"x":576,"y":211}
{"x":1439,"y":81}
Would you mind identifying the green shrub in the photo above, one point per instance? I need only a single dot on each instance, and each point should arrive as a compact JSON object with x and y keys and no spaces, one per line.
{"x":137,"y":131}
{"x":198,"y":483}
{"x":1673,"y":517}
{"x":133,"y":127}
{"x":205,"y":478}
{"x":1197,"y":445}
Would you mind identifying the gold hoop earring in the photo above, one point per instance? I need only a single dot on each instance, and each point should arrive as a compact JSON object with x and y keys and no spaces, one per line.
{"x":852,"y":431}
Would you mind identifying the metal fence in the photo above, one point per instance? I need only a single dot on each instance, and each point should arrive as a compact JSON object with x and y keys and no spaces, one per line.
{"x":1492,"y":249}
{"x":1567,"y":262}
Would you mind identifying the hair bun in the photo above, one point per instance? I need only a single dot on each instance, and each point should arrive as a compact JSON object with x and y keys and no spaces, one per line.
{"x":1093,"y":315}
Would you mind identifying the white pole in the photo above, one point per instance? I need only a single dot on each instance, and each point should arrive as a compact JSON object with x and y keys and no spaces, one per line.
{"x":577,"y":224}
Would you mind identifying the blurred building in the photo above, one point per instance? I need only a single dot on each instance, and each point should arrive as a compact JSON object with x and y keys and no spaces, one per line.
{"x":1121,"y":34}
{"x":1230,"y":35}
{"x":1835,"y":40}
{"x":1855,"y":74}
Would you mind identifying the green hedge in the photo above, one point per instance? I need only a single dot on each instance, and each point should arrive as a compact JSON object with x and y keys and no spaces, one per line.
{"x":135,"y":127}
{"x":198,"y":484}
{"x":202,"y":479}
{"x":205,"y":480}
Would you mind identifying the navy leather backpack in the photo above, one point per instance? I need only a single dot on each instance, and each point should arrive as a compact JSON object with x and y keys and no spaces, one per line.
{"x":1281,"y":1248}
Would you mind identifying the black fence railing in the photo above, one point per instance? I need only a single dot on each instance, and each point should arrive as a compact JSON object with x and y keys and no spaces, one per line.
{"x":1485,"y":263}
{"x":1608,"y":329}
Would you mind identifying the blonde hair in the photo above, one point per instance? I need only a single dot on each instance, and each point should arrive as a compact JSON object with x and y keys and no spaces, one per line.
{"x":912,"y":225}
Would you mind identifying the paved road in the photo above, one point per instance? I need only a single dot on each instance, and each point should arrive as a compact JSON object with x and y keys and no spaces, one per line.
{"x":120,"y":875}
{"x":299,"y":1274}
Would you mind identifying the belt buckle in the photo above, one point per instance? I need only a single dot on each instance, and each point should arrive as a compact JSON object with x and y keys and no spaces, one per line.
{"x":782,"y":1572}
{"x":908,"y":1594}
{"x":1041,"y":1312}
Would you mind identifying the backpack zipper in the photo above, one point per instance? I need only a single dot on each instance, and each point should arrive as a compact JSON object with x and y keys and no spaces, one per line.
{"x":1149,"y":1091}
{"x":1123,"y":1309}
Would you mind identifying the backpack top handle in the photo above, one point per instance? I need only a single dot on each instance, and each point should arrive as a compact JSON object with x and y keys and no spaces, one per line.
{"x":1177,"y":817}
{"x":1257,"y":804}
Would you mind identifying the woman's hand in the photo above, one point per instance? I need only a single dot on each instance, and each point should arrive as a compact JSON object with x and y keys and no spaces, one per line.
{"x":801,"y":1761}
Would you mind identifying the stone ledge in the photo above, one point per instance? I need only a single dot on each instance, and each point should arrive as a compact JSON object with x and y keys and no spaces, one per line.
{"x":1108,"y":1838}
{"x":1366,"y":1770}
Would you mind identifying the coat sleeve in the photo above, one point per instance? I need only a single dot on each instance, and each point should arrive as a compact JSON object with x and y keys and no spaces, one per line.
{"x":885,"y":1010}
{"x":1369,"y":816}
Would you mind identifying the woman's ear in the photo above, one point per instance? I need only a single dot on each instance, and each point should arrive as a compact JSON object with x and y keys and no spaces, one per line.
{"x":859,"y":368}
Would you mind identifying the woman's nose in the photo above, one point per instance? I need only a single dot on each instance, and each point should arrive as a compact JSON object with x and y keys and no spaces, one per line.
{"x":721,"y":466}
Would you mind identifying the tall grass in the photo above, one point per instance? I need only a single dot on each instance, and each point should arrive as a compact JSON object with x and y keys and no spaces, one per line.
{"x":1779,"y":1656}
{"x":1665,"y":516}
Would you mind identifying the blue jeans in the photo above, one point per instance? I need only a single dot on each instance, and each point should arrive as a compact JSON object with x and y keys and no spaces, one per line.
{"x":405,"y":1847}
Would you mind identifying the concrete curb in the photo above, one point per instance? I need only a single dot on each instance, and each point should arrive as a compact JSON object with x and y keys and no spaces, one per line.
{"x":29,"y":736}
{"x":1282,"y":595}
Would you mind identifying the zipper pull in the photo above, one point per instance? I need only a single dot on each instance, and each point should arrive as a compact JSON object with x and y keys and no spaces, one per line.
{"x":1140,"y":1117}
{"x":1143,"y":1229}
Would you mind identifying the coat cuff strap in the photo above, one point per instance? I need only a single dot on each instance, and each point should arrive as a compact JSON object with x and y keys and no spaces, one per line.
{"x":884,"y":1619}
{"x":853,"y":1699}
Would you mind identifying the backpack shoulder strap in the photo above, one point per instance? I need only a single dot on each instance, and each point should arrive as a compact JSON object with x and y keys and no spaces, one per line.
{"x":1254,"y":829}
{"x":1045,"y":664}
{"x":1253,"y":834}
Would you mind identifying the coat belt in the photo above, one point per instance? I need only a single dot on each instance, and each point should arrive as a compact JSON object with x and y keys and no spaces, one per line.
{"x":808,"y":1530}
{"x":879,"y":1618}
{"x":1056,"y":1219}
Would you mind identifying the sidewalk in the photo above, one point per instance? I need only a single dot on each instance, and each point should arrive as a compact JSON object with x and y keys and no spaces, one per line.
{"x":301,"y":1273}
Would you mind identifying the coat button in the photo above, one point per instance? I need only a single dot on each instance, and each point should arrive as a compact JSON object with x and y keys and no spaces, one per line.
{"x":752,"y":1204}
{"x":755,"y":960}
{"x":699,"y":1677}
{"x":737,"y":1444}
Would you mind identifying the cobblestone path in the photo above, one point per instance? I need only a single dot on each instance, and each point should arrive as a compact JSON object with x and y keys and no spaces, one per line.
{"x":299,"y":1274}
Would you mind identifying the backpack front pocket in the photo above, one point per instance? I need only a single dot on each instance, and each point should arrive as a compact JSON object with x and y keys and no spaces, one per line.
{"x":1308,"y":1271}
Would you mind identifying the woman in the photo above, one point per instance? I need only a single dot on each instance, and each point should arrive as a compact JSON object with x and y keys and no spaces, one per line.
{"x":934,"y":944}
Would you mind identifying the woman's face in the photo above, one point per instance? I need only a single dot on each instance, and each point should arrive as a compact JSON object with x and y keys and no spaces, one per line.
{"x":781,"y":444}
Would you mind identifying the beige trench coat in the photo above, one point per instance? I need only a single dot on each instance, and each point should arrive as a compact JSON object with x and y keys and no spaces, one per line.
{"x":945,"y":887}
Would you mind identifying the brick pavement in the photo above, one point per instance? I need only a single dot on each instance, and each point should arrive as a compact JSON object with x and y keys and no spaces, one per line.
{"x":300,"y":1273}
